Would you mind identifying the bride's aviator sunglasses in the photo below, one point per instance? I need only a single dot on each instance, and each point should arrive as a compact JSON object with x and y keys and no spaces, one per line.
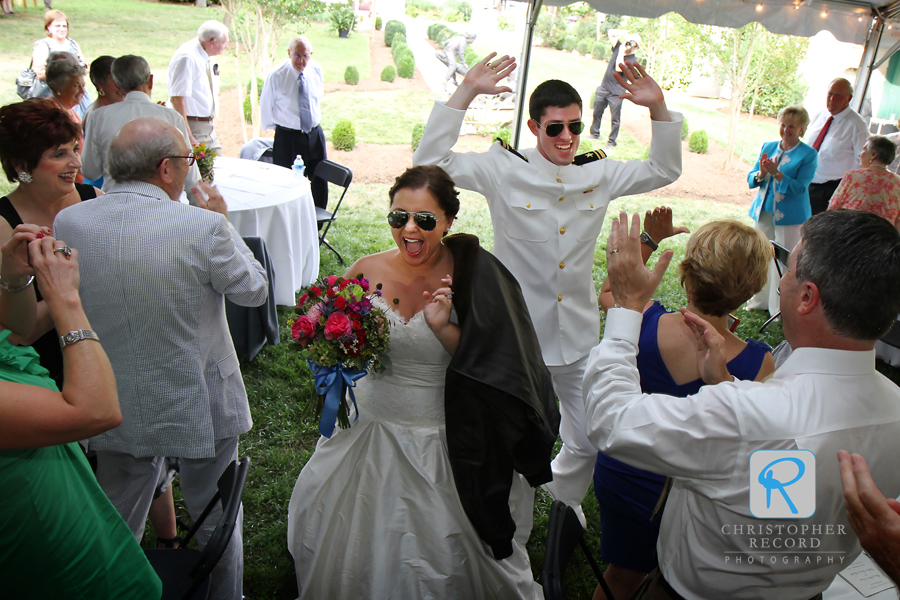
{"x":554,"y":129}
{"x":423,"y":220}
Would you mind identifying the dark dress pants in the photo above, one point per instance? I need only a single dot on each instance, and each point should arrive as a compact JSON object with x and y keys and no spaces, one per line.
{"x":820,"y":195}
{"x":311,"y":146}
{"x":602,"y":99}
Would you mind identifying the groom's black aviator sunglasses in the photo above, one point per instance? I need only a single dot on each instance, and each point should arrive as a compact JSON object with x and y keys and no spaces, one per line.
{"x":424,"y":220}
{"x":554,"y":129}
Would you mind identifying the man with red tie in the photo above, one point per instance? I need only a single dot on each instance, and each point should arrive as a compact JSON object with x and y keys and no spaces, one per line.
{"x":839,"y":134}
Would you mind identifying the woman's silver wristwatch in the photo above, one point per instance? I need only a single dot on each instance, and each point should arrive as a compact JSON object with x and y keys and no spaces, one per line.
{"x":73,"y":337}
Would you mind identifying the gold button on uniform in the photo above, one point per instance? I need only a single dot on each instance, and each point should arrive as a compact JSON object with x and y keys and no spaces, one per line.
{"x":562,"y":229}
{"x":559,"y":298}
{"x":561,"y":198}
{"x":528,"y":205}
{"x":559,"y":181}
{"x":562,"y":264}
{"x":592,"y":206}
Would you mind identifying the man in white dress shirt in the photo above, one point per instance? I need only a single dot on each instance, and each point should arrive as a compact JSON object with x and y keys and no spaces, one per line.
{"x":154,"y":275}
{"x":132,"y":74}
{"x":547,"y":207}
{"x":290,"y":104}
{"x":839,"y":134}
{"x":194,"y":83}
{"x":841,"y":293}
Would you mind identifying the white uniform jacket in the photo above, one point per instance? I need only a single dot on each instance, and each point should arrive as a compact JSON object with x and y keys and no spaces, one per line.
{"x":547,"y":218}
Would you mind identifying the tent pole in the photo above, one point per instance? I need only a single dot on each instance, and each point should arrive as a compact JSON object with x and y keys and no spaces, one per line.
{"x":867,"y":62}
{"x":534,"y":9}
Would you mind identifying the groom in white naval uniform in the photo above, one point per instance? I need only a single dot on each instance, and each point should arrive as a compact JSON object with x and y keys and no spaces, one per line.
{"x":547,"y":207}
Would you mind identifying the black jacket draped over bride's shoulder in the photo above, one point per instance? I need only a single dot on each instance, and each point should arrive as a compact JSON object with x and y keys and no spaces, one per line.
{"x":499,"y":404}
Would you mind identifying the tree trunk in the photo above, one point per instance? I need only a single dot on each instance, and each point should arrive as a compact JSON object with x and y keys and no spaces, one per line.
{"x":740,"y":73}
{"x":200,"y":3}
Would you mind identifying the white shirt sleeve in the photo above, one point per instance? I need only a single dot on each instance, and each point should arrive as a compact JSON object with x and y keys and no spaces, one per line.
{"x":182,"y":73}
{"x":266,"y":101}
{"x":697,"y":437}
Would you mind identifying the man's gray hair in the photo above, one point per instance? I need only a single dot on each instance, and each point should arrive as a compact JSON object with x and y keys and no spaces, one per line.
{"x":130,"y":72}
{"x":845,"y":82}
{"x":211,"y":30}
{"x":300,"y":39}
{"x":137,"y":157}
{"x":61,"y":67}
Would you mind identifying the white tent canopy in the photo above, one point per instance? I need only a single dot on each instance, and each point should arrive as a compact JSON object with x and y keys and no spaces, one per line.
{"x":852,"y":21}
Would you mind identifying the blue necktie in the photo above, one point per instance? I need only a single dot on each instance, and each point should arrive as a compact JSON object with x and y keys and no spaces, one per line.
{"x":305,"y":113}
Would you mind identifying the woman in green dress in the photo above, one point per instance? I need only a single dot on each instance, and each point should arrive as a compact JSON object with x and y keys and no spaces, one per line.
{"x":59,"y":535}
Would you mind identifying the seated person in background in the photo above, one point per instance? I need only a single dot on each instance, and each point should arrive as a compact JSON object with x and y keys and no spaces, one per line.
{"x":840,"y":294}
{"x":874,"y":518}
{"x":725,"y":263}
{"x":61,"y":537}
{"x":872,"y":187}
{"x":45,"y":169}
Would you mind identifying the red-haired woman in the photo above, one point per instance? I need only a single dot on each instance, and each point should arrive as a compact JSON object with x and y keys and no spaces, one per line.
{"x":56,"y":26}
{"x":45,"y":168}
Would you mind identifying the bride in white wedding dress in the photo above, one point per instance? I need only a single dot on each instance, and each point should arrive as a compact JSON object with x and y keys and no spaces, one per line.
{"x":375,"y":512}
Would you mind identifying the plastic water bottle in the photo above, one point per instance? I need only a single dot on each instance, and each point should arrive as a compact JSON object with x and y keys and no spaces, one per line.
{"x":298,"y":168}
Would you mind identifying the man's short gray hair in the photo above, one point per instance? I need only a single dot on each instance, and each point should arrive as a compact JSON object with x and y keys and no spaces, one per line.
{"x":130,"y":72}
{"x":61,"y":67}
{"x":136,"y":158}
{"x":300,"y":39}
{"x":844,"y":81}
{"x":211,"y":30}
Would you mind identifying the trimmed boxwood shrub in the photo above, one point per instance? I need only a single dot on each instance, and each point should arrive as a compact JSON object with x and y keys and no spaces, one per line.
{"x":443,"y":35}
{"x":351,"y":75}
{"x":389,"y":73}
{"x":698,"y":142}
{"x":400,"y":49}
{"x":343,"y":136}
{"x":583,"y":48}
{"x":377,"y":23}
{"x":569,"y":43}
{"x":684,"y":129}
{"x":391,"y":28}
{"x":406,"y":67}
{"x":399,"y":38}
{"x":600,"y":51}
{"x":417,"y":132}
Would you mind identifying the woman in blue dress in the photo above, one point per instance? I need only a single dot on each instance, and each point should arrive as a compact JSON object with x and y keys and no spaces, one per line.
{"x":725,"y":263}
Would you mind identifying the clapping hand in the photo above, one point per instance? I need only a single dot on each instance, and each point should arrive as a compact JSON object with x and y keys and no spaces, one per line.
{"x":710,"y":349}
{"x":16,"y":263}
{"x":768,"y":165}
{"x":641,"y":89}
{"x":632,"y":283}
{"x":658,"y":224}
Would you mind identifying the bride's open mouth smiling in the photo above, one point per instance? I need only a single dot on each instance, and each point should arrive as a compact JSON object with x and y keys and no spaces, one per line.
{"x":413,"y":246}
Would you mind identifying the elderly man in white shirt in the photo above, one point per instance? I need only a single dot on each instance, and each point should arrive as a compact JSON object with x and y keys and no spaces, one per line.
{"x":839,"y":134}
{"x":732,"y":527}
{"x":290,"y":104}
{"x":132,"y":74}
{"x":194,"y":83}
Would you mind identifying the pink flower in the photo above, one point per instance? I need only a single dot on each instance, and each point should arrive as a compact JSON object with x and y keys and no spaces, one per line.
{"x":303,"y":328}
{"x":331,"y":280}
{"x":315,"y":313}
{"x":201,"y":155}
{"x":337,"y":325}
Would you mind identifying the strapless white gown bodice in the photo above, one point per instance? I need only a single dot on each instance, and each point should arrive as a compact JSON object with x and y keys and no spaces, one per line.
{"x":375,"y":512}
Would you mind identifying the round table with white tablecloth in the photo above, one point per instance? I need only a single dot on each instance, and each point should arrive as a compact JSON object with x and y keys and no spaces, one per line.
{"x":267,"y":201}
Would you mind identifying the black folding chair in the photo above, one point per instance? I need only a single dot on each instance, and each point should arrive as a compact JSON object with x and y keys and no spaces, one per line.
{"x":564,"y":532}
{"x":185,"y":572}
{"x":338,"y":175}
{"x":782,"y":255}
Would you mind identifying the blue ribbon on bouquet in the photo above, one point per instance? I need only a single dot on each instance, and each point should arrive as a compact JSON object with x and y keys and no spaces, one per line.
{"x":329,"y":383}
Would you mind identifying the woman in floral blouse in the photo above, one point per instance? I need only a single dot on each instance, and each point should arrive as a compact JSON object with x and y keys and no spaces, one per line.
{"x":782,"y":173}
{"x":872,"y":187}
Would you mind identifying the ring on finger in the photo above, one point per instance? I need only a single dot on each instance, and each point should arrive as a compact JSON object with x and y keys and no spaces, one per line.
{"x":448,"y":296}
{"x":67,"y":252}
{"x":614,"y":250}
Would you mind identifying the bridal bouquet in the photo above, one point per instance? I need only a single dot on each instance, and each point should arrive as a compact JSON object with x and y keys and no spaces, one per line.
{"x":346,"y":337}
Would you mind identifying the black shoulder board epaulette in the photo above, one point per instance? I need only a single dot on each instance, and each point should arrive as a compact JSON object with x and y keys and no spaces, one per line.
{"x":588,"y":157}
{"x":509,"y":148}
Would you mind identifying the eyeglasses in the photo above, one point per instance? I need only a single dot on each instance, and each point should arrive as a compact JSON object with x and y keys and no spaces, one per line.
{"x":307,"y":56}
{"x":554,"y":129}
{"x":191,"y":159}
{"x":423,"y":220}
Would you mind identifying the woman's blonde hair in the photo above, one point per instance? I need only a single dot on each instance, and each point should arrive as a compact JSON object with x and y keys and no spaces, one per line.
{"x":52,"y":15}
{"x":795,"y":112}
{"x":725,"y":263}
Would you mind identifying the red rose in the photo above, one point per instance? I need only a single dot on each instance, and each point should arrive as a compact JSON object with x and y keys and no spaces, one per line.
{"x":329,"y":292}
{"x":356,"y":324}
{"x":315,"y":292}
{"x":331,"y":280}
{"x":337,"y":325}
{"x":302,"y":299}
{"x":303,"y":328}
{"x":343,"y":284}
{"x":361,"y":336}
{"x":340,"y":303}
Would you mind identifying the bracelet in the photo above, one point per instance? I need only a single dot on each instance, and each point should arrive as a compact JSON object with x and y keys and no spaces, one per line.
{"x":76,"y":336}
{"x":13,"y":290}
